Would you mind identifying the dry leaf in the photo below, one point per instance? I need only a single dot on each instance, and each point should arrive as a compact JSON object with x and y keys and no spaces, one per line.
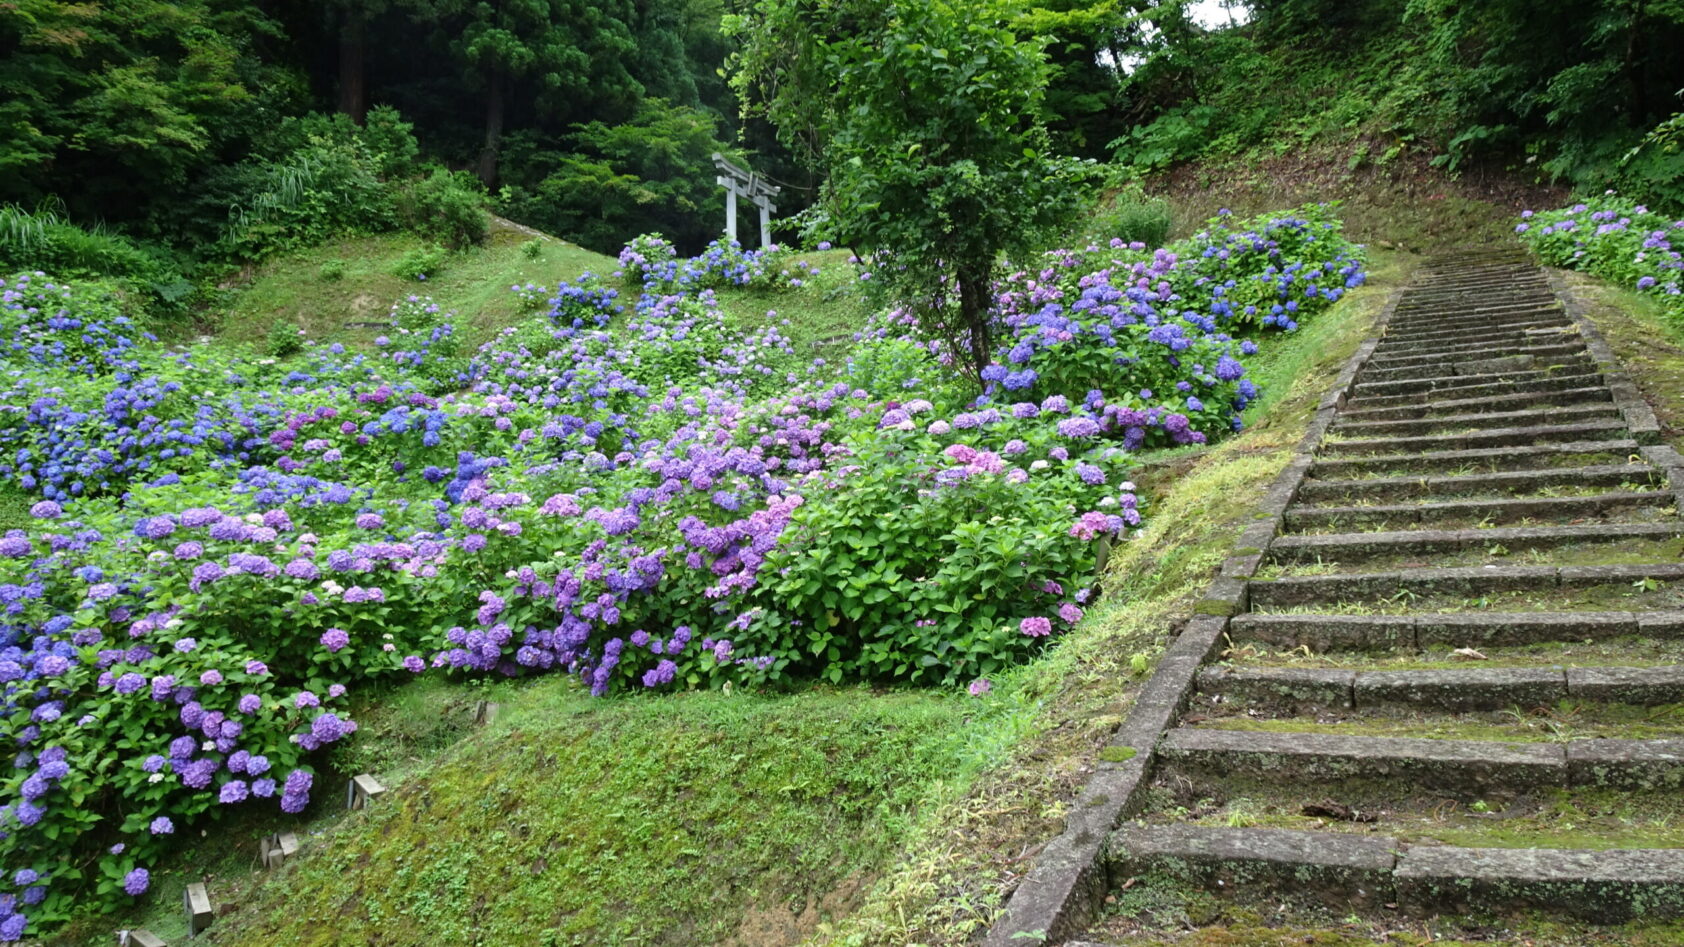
{"x":1468,"y":654}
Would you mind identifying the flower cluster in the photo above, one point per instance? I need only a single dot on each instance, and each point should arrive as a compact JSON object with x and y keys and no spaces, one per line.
{"x":1616,"y":239}
{"x":223,"y":548}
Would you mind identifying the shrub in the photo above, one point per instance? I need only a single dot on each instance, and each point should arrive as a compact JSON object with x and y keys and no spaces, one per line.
{"x":1616,"y":239}
{"x":1132,"y":217}
{"x":420,"y":262}
{"x":447,"y":206}
{"x":332,"y":271}
{"x":532,"y":249}
{"x":284,"y":339}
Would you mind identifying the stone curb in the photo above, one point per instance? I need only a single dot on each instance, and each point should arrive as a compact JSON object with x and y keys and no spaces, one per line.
{"x":1065,"y":889}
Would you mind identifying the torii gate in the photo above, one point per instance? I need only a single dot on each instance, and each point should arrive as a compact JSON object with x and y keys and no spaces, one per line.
{"x":750,"y":186}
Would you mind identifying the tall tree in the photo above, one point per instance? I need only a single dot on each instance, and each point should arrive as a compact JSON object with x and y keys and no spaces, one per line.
{"x":574,"y":51}
{"x":926,"y":119}
{"x":142,"y":87}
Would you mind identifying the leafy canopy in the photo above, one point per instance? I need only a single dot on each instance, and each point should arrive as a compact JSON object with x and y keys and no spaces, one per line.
{"x":925,"y":119}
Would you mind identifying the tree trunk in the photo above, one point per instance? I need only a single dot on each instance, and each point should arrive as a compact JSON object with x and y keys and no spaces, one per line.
{"x":353,"y":78}
{"x":973,"y":312}
{"x":493,"y":130}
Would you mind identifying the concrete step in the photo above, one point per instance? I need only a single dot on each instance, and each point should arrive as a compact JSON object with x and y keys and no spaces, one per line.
{"x":1358,"y":588}
{"x":1299,"y":691}
{"x":1491,"y":459}
{"x":1347,"y":871}
{"x":1324,"y":633}
{"x":1504,"y":510}
{"x":1595,"y":394}
{"x":1349,"y":547}
{"x":1476,"y":389}
{"x":1562,"y":345}
{"x":1361,"y":427}
{"x":1436,"y":386}
{"x":1443,"y":367}
{"x":1453,"y":767}
{"x":1527,"y":436}
{"x":1604,"y":476}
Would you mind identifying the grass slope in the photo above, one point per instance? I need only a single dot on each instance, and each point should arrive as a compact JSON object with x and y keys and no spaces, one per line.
{"x":292,"y":288}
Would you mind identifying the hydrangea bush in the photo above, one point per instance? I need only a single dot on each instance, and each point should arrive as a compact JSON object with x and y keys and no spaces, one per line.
{"x":1616,"y":239}
{"x":225,"y":546}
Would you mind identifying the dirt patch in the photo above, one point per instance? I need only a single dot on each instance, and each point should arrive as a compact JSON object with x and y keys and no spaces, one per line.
{"x":782,"y":925}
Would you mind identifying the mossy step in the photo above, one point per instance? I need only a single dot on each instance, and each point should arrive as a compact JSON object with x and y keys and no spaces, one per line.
{"x":1425,"y":335}
{"x":1449,"y":386}
{"x":1361,"y":587}
{"x":1450,"y":369}
{"x":1505,"y":386}
{"x":1298,"y":690}
{"x":1508,"y":482}
{"x":1451,"y":766}
{"x":1509,"y":402}
{"x":1603,"y":886}
{"x":1630,"y":652}
{"x":1489,"y":459}
{"x":1350,"y":871}
{"x":1364,"y":427}
{"x":1342,"y":870}
{"x":1514,"y":332}
{"x":1529,"y":436}
{"x":1477,"y":629}
{"x":1507,"y":509}
{"x":1342,"y":547}
{"x":1528,"y":344}
{"x":1475,"y":767}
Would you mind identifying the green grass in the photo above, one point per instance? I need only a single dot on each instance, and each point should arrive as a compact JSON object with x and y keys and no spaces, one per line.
{"x":667,"y":820}
{"x":475,"y":282}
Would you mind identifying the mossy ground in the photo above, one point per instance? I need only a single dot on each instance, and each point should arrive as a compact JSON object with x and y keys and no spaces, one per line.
{"x":292,"y":288}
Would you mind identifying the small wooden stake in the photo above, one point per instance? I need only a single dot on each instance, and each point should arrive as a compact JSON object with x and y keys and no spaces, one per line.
{"x":486,"y":712}
{"x":139,"y":937}
{"x":197,"y":901}
{"x":362,"y":790}
{"x":274,"y":850}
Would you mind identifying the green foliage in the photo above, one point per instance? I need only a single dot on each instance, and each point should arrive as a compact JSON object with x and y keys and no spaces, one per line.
{"x":603,"y":183}
{"x":1132,"y":217}
{"x":43,"y":240}
{"x":284,"y":339}
{"x":532,"y":249}
{"x":868,"y":567}
{"x":1617,"y":239}
{"x":926,"y":121}
{"x":332,"y":271}
{"x":420,"y":263}
{"x":126,"y":99}
{"x":325,"y":188}
{"x":446,"y":206}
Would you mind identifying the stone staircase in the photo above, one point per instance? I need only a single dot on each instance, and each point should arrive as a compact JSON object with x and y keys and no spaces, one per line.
{"x":1448,"y":682}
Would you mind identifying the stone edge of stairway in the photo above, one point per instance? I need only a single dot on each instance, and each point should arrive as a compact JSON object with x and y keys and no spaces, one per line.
{"x":1065,"y":888}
